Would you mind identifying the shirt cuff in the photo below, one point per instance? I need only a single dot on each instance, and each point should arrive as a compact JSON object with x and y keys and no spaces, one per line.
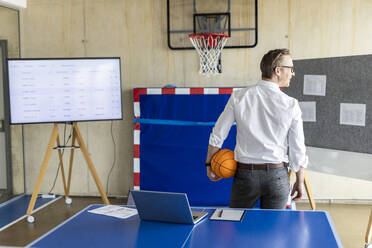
{"x":295,"y":166}
{"x":215,"y":141}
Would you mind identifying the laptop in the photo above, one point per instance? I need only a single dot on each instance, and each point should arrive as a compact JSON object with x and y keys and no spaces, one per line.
{"x":165,"y":207}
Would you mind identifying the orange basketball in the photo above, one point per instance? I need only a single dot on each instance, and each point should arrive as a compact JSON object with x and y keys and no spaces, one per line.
{"x":223,"y":163}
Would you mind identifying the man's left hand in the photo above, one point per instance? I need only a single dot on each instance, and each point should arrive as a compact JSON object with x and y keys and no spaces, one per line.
{"x":297,"y":188}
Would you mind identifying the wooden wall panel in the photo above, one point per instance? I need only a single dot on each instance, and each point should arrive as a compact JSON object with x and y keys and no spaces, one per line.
{"x":136,"y":31}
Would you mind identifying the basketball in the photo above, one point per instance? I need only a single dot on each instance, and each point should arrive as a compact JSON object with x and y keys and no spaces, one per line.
{"x":223,"y":163}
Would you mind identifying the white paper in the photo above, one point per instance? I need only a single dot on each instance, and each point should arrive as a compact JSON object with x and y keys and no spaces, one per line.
{"x":115,"y":211}
{"x":315,"y":85}
{"x":227,"y":214}
{"x":308,"y":111}
{"x":353,"y":114}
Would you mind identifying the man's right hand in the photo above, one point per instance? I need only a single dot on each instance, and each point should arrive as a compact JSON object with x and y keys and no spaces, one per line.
{"x":213,"y":177}
{"x":297,"y":190}
{"x":211,"y":151}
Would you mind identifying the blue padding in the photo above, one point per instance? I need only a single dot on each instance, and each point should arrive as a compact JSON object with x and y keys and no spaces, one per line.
{"x":173,"y":122}
{"x":172,"y":156}
{"x":16,"y":208}
{"x":201,"y":108}
{"x":174,"y":138}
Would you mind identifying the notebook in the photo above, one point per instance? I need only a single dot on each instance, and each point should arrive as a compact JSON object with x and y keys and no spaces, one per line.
{"x":228,"y":214}
{"x":165,"y":207}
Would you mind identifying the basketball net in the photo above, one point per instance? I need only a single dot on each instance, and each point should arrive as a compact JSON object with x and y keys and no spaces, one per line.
{"x":209,"y":47}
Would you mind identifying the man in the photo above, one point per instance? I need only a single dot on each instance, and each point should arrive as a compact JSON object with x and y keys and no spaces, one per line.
{"x":269,"y":128}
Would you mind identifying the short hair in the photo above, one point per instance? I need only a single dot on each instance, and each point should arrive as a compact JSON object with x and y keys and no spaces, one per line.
{"x":271,"y":60}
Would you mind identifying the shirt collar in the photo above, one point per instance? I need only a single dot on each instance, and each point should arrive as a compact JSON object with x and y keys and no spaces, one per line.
{"x":269,"y":84}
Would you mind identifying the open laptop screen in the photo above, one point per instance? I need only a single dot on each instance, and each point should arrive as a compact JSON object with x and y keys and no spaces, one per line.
{"x":164,"y":206}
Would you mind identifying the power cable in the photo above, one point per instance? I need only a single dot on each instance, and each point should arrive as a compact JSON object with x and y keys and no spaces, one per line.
{"x":63,"y":151}
{"x":113,"y":164}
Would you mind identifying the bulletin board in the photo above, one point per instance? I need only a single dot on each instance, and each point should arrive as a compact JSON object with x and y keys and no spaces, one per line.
{"x":348,"y":81}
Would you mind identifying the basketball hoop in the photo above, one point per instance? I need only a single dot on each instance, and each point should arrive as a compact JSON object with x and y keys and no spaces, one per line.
{"x":209,"y":47}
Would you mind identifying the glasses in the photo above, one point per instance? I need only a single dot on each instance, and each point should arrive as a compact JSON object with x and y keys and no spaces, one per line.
{"x":290,"y":67}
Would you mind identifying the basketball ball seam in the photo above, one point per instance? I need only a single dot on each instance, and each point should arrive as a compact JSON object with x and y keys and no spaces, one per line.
{"x":226,"y":167}
{"x":220,"y":154}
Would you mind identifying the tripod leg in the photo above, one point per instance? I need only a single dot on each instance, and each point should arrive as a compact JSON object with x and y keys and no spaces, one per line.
{"x":43,"y":168}
{"x":62,"y":167}
{"x":291,"y":176}
{"x":71,"y":159}
{"x":90,"y":164}
{"x":369,"y":229}
{"x":308,"y":191}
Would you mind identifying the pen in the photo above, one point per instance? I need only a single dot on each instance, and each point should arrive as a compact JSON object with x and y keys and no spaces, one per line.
{"x":220,"y":214}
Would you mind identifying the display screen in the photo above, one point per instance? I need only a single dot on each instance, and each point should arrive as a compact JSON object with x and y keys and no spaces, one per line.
{"x":64,"y":90}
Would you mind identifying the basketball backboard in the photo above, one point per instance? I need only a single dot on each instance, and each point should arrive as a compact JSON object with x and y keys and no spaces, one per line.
{"x":238,"y":18}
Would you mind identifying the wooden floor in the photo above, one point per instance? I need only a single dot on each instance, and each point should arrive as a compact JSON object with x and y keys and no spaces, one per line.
{"x":350,"y":220}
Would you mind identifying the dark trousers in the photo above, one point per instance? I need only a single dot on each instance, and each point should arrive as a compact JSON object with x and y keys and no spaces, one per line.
{"x":271,"y":186}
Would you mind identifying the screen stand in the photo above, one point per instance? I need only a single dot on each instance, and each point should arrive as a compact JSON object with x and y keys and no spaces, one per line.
{"x":54,"y":138}
{"x":368,"y":238}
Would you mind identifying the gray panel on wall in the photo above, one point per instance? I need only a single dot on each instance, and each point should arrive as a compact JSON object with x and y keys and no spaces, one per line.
{"x":349,"y":80}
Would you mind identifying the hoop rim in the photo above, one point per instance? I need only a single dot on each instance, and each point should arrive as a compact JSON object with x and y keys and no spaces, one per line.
{"x":208,"y":34}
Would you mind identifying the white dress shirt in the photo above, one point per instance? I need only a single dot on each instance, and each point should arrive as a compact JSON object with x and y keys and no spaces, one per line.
{"x":269,"y":126}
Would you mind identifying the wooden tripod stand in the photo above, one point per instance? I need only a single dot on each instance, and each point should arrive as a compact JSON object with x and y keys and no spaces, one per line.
{"x":368,"y":237}
{"x":54,"y":138}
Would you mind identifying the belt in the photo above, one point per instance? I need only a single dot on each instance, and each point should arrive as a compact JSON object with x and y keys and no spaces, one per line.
{"x":259,"y":166}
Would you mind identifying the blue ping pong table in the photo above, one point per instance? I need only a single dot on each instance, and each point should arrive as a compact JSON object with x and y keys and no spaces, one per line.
{"x":258,"y":228}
